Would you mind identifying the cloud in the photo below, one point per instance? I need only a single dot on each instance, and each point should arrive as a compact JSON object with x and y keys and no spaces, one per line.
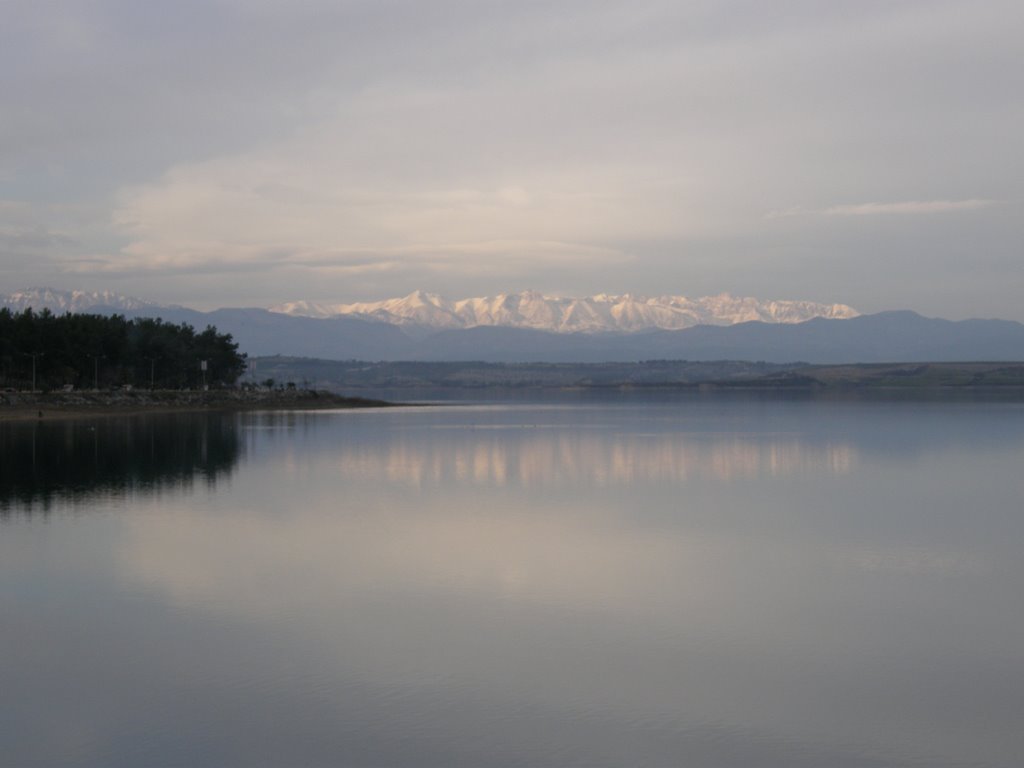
{"x":906,"y":208}
{"x":35,"y":232}
{"x":469,"y":187}
{"x":36,"y":238}
{"x":912,"y":207}
{"x":464,"y":258}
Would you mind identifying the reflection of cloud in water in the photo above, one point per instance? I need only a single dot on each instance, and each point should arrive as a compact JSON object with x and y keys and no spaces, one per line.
{"x":558,"y":610}
{"x":914,"y":561}
{"x":550,"y":459}
{"x":563,"y":560}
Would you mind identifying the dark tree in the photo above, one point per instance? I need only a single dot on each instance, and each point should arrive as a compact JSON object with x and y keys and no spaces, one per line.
{"x":87,"y":350}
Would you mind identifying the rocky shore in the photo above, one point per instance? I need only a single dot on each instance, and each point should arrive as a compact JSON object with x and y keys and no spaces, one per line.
{"x":49,"y":405}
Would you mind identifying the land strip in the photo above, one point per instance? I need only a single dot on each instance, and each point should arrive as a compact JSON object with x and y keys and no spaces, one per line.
{"x":17,"y":406}
{"x":355,"y":376}
{"x":892,"y":376}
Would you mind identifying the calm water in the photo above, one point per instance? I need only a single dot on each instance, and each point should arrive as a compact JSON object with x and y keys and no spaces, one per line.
{"x":707,"y":582}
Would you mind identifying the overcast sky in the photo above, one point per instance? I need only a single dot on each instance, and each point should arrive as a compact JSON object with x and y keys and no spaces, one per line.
{"x":247,"y":152}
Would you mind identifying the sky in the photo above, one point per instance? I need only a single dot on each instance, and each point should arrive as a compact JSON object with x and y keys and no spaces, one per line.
{"x":249,"y":152}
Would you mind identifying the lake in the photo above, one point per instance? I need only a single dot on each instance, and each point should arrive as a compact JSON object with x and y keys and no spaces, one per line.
{"x":709,"y":581}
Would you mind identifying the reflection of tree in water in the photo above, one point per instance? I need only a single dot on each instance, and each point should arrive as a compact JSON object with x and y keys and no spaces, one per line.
{"x":48,"y":461}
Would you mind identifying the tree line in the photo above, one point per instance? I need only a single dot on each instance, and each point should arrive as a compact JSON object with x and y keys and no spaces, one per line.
{"x":48,"y":351}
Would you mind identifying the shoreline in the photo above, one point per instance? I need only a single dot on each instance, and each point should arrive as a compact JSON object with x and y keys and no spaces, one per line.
{"x":37,"y":406}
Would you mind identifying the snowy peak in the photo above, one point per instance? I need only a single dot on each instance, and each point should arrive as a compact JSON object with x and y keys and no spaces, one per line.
{"x":593,"y":314}
{"x":529,"y":309}
{"x":59,"y":302}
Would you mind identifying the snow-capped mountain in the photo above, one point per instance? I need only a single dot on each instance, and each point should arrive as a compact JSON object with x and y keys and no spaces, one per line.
{"x":59,"y":302}
{"x":593,"y":314}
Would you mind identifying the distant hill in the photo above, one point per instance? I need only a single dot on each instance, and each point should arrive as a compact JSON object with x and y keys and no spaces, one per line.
{"x":361,"y":375}
{"x":260,"y":332}
{"x":884,"y":337}
{"x":356,"y":375}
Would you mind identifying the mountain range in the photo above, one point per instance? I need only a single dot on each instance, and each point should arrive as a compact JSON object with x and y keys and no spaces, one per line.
{"x":59,"y":302}
{"x":899,"y":336}
{"x":593,"y":314}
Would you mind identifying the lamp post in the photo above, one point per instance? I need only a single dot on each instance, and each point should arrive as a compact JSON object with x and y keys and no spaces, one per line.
{"x":96,"y":371}
{"x":152,"y":366}
{"x":33,"y":355}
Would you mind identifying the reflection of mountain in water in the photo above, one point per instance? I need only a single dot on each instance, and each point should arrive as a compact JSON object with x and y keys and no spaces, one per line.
{"x":49,"y":461}
{"x":550,"y":459}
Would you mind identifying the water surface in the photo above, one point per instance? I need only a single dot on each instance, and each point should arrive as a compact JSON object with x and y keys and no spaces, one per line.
{"x":698,"y":581}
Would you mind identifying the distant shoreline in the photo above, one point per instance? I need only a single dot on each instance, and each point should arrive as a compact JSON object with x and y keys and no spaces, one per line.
{"x":354,"y":376}
{"x":24,"y":406}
